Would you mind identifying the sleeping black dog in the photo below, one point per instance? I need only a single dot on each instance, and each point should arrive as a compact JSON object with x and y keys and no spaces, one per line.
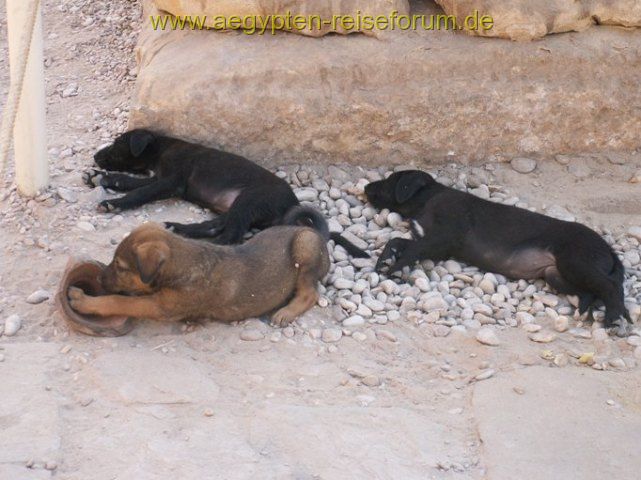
{"x":447,"y":223}
{"x":244,"y":194}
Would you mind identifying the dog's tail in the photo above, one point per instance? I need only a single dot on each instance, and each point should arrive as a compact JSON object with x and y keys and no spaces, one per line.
{"x":617,"y":275}
{"x":618,"y":270}
{"x":310,"y":217}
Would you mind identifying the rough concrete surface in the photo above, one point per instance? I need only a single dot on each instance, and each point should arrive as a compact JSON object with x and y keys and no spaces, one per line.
{"x":565,"y":424}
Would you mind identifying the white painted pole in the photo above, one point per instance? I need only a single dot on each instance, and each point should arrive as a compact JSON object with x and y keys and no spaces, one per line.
{"x":29,"y":134}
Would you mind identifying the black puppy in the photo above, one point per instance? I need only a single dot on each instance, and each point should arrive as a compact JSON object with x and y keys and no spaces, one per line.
{"x":514,"y":242}
{"x":244,"y":194}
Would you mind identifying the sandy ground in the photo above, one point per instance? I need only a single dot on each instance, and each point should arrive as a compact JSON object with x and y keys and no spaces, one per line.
{"x":195,"y":401}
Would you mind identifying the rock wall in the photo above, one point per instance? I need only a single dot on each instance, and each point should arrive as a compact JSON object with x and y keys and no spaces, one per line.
{"x":405,"y":98}
{"x":527,"y":19}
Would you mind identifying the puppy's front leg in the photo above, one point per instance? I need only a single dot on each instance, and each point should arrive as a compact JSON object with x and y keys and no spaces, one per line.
{"x":116,"y":305}
{"x":392,"y":251}
{"x":158,"y":190}
{"x":121,"y":182}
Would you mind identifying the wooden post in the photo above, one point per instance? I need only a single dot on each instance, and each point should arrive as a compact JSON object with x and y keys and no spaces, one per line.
{"x":29,"y":134}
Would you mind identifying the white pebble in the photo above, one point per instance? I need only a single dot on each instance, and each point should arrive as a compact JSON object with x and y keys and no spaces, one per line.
{"x":11,"y":325}
{"x":485,"y":374}
{"x":332,"y":335}
{"x":354,"y":321}
{"x":38,"y":296}
{"x":561,"y":323}
{"x":85,"y":226}
{"x":542,"y":337}
{"x":523,"y":165}
{"x":486,"y":336}
{"x":251,"y":335}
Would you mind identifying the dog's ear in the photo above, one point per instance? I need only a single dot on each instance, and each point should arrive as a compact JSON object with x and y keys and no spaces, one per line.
{"x":150,"y":256}
{"x":409,"y":184}
{"x":139,"y":141}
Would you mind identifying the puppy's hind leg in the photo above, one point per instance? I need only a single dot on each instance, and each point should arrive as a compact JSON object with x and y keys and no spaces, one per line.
{"x":591,"y":278}
{"x":311,"y":261}
{"x":586,"y":300}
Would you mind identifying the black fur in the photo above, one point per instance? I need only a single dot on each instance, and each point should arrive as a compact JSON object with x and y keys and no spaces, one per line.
{"x":245,"y":195}
{"x":508,"y":240}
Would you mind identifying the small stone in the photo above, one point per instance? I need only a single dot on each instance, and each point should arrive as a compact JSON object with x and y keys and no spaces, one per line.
{"x":561,"y":323}
{"x":331,"y":335}
{"x":561,"y":360}
{"x":485,"y":375}
{"x":51,"y":465}
{"x":85,"y":226}
{"x":486,"y":336}
{"x":38,"y":296}
{"x":354,"y":321}
{"x":635,"y":232}
{"x":11,"y":325}
{"x":343,"y":284}
{"x":393,"y":315}
{"x":386,"y":335}
{"x":208,"y":412}
{"x":434,"y":303}
{"x":374,"y":304}
{"x":70,"y":91}
{"x":306,"y":194}
{"x":524,"y":318}
{"x":251,"y":335}
{"x":275,"y":337}
{"x":542,"y":337}
{"x":359,"y":336}
{"x":531,"y":327}
{"x":371,"y":381}
{"x":453,"y":267}
{"x":67,"y":195}
{"x":66,"y":349}
{"x":617,"y":363}
{"x":523,"y":165}
{"x":441,"y":330}
{"x":581,"y":333}
{"x":288,"y":332}
{"x":611,"y":402}
{"x":518,"y":390}
{"x":487,"y":286}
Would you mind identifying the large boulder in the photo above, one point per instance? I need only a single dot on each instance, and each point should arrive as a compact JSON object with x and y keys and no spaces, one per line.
{"x":527,"y":19}
{"x":319,"y":14}
{"x":406,"y":97}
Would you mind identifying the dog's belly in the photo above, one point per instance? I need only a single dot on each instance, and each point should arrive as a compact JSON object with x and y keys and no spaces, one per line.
{"x":526,"y":264}
{"x":218,"y":201}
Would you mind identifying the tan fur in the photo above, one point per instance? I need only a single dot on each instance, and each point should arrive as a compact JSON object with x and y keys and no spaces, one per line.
{"x":167,"y":277}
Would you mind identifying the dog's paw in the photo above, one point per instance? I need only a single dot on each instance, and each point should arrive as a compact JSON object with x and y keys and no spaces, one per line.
{"x":107,"y":206}
{"x":282,"y":318}
{"x":93,"y":177}
{"x":79,"y":300}
{"x":620,"y":327}
{"x":172,"y":227}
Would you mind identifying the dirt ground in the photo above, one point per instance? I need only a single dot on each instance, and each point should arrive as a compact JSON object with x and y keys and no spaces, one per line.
{"x":196,"y":401}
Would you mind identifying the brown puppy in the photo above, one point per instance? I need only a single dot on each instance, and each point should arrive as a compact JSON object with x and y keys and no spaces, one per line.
{"x":158,"y":275}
